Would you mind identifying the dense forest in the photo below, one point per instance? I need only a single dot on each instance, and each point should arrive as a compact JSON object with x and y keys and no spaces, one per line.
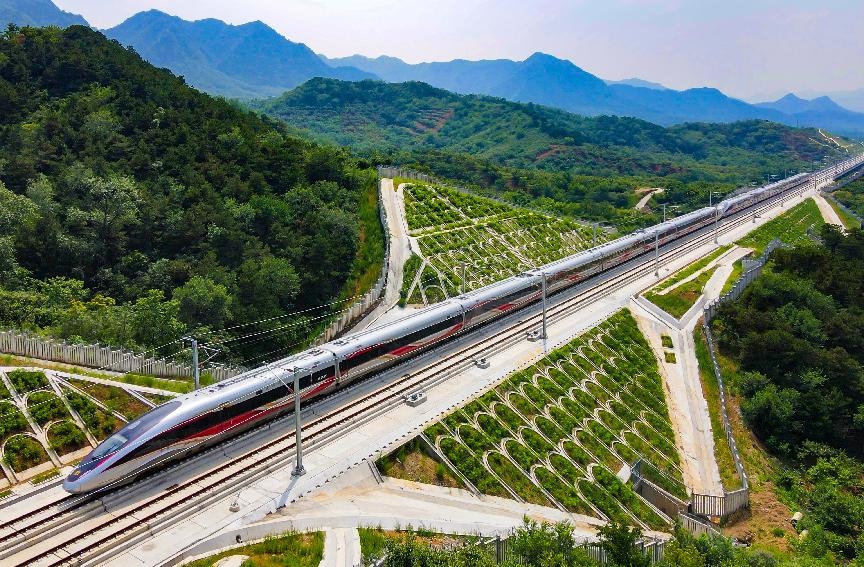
{"x":134,"y":208}
{"x":584,"y":166}
{"x":796,"y":334}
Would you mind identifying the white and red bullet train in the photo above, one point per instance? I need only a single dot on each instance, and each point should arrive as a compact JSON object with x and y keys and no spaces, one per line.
{"x":207,"y":416}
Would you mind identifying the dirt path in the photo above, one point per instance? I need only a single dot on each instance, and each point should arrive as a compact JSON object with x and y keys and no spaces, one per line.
{"x":828,"y":213}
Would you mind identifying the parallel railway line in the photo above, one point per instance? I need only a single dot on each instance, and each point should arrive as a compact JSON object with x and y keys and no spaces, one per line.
{"x":80,"y":530}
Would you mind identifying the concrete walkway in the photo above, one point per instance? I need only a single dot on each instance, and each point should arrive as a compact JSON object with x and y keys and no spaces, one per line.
{"x":341,"y":548}
{"x":400,"y":251}
{"x":828,"y":213}
{"x":687,"y":406}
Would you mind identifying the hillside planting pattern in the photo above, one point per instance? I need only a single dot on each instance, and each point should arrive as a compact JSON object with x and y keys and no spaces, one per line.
{"x":487,"y":241}
{"x":557,"y":432}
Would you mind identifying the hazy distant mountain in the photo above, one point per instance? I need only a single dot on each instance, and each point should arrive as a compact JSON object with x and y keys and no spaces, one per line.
{"x":250,"y":60}
{"x":851,"y":100}
{"x":548,"y":80}
{"x":791,"y":104}
{"x":36,"y":13}
{"x":636,"y":82}
{"x":820,"y":111}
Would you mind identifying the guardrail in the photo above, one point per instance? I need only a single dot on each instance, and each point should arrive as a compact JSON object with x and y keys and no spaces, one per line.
{"x":102,"y":357}
{"x":729,"y":502}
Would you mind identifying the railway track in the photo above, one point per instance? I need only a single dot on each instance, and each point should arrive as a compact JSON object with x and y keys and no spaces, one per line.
{"x":80,"y":530}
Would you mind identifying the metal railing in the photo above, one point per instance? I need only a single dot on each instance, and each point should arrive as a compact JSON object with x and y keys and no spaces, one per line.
{"x":729,"y":502}
{"x":103,"y":357}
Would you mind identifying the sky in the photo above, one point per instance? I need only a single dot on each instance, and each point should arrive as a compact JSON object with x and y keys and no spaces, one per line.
{"x":753,"y":49}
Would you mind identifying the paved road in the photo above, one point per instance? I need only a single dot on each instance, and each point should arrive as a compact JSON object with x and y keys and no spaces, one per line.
{"x":828,"y":213}
{"x":400,"y":251}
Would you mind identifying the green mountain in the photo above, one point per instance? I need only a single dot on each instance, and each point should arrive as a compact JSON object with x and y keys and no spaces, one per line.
{"x":371,"y":115}
{"x":36,"y":13}
{"x":249,"y":60}
{"x":134,"y":208}
{"x":550,"y":81}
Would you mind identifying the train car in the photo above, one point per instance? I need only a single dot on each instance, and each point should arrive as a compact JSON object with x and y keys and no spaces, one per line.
{"x":202,"y":418}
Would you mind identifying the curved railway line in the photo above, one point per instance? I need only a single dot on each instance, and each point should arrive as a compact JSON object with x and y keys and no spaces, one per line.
{"x":82,"y":530}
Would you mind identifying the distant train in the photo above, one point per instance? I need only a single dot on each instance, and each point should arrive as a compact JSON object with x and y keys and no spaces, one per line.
{"x":200,"y":419}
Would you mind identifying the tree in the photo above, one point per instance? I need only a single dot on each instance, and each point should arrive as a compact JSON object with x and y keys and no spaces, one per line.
{"x":203,"y":303}
{"x":155,"y":320}
{"x":620,"y":544}
{"x":267,"y":286}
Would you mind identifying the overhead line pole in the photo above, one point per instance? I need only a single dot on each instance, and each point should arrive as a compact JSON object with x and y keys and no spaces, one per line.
{"x":543,"y":333}
{"x":299,"y":469}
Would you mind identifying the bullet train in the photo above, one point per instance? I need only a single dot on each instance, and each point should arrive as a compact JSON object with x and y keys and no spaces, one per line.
{"x":192,"y":422}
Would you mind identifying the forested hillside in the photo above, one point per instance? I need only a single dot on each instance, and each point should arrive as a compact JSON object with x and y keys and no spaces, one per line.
{"x":588,"y":167}
{"x":795,"y":338}
{"x":134,"y":208}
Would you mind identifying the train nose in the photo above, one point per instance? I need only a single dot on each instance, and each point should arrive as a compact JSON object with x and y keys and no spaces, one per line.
{"x":74,"y":483}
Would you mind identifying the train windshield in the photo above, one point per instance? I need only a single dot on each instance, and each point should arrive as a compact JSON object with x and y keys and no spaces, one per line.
{"x":132,"y":431}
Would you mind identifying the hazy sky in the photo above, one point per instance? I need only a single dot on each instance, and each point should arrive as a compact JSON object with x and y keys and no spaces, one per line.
{"x":747,"y":48}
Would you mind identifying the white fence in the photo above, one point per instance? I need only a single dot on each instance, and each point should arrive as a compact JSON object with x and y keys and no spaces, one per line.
{"x":102,"y":357}
{"x":371,"y":298}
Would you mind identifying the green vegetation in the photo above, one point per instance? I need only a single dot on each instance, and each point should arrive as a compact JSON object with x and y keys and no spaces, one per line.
{"x":411,"y":462}
{"x":636,"y":427}
{"x":65,"y":437}
{"x":114,"y":398}
{"x":23,"y":452}
{"x":134,"y":209}
{"x":45,"y":407}
{"x":790,"y":227}
{"x":554,"y":545}
{"x":491,"y":240}
{"x":795,"y":338}
{"x":27,"y":380}
{"x":47,"y":475}
{"x":711,"y":392}
{"x":669,"y":357}
{"x":100,"y":424}
{"x":691,"y":269}
{"x":680,"y":299}
{"x":737,"y":272}
{"x":294,"y":550}
{"x":11,"y":420}
{"x":666,"y":341}
{"x":851,"y":195}
{"x":586,"y":167}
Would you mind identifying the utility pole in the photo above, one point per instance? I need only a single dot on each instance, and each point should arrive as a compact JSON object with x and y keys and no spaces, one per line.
{"x":543,"y":333}
{"x":664,"y":212}
{"x":596,"y":224}
{"x":196,"y":369}
{"x":716,"y":223}
{"x":462,"y":284}
{"x":299,"y":470}
{"x":657,"y":253}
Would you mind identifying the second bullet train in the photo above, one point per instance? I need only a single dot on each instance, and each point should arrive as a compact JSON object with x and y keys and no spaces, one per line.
{"x":194,"y":421}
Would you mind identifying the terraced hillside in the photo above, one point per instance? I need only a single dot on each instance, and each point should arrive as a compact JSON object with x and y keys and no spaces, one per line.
{"x":486,"y":240}
{"x":558,"y":432}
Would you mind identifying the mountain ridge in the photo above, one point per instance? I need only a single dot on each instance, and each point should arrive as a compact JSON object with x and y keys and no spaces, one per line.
{"x":548,"y":80}
{"x":243,"y":61}
{"x":37,"y":13}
